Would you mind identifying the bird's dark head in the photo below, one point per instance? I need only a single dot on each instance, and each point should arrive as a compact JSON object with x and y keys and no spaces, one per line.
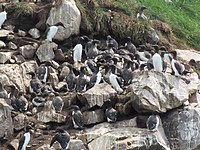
{"x":74,"y":107}
{"x":174,"y":54}
{"x":128,"y":39}
{"x":192,"y":62}
{"x":60,"y":24}
{"x":109,"y":37}
{"x":85,"y":38}
{"x":163,"y":48}
{"x":60,"y":130}
{"x":143,"y":8}
{"x":28,"y":128}
{"x":142,"y":48}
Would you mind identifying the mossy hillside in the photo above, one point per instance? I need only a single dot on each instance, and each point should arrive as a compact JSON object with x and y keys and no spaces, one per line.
{"x":182,"y":15}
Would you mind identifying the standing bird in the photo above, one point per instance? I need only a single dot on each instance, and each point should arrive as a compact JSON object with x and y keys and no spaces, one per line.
{"x":42,"y":73}
{"x":111,"y":40}
{"x":93,"y":51}
{"x":96,"y":77}
{"x":3,"y":16}
{"x":57,"y":104}
{"x":153,"y":122}
{"x":143,"y":54}
{"x":177,"y":67}
{"x":127,"y":73}
{"x":52,"y":30}
{"x":114,"y":80}
{"x":77,"y":51}
{"x":70,"y":79}
{"x":157,"y":60}
{"x":140,"y":14}
{"x":24,"y":140}
{"x":62,"y":137}
{"x":81,"y":82}
{"x":111,"y":114}
{"x":21,"y":102}
{"x":77,"y":117}
{"x":35,"y":83}
{"x":3,"y":92}
{"x":130,"y":46}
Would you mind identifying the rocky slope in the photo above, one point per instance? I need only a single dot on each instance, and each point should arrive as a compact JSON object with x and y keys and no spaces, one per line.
{"x":24,"y":50}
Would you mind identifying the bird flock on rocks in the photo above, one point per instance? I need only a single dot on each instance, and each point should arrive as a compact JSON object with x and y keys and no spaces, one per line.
{"x":93,"y":62}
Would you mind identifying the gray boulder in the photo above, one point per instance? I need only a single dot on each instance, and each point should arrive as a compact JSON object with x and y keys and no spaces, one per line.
{"x":6,"y":125}
{"x":92,"y":117}
{"x":69,"y":15}
{"x":182,"y":127}
{"x":4,"y":33}
{"x":121,"y":135}
{"x":45,"y":51}
{"x":5,"y":56}
{"x":154,"y":91}
{"x":97,"y":95}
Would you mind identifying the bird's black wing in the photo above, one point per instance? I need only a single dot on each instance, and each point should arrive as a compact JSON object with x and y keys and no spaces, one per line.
{"x":78,"y":118}
{"x":21,"y":142}
{"x":179,"y":67}
{"x":54,"y":139}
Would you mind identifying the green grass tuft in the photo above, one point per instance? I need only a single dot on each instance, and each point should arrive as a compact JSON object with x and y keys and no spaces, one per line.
{"x":23,"y":9}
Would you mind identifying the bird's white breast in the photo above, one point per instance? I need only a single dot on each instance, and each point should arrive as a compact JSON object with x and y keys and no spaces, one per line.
{"x":157,"y":62}
{"x":77,"y":54}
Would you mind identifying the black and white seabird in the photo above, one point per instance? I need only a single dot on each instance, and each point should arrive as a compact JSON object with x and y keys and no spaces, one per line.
{"x":62,"y":137}
{"x":143,"y":54}
{"x":70,"y":79}
{"x":111,"y":40}
{"x":111,"y":115}
{"x":153,"y":123}
{"x":140,"y":14}
{"x":177,"y":67}
{"x":90,"y":66}
{"x":21,"y":102}
{"x":57,"y":104}
{"x":42,"y":73}
{"x":3,"y":92}
{"x":3,"y":16}
{"x":52,"y":30}
{"x":96,"y":77}
{"x":81,"y":82}
{"x":157,"y":60}
{"x":77,"y":51}
{"x":77,"y":117}
{"x":127,"y":73}
{"x":114,"y":80}
{"x":24,"y":140}
{"x":130,"y":46}
{"x":93,"y":51}
{"x":35,"y":83}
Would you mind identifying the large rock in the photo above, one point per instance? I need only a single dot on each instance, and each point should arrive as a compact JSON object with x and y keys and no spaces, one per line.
{"x":45,"y":51}
{"x":97,"y":95}
{"x":121,"y":135}
{"x":92,"y":117}
{"x":50,"y":116}
{"x":186,"y":55}
{"x":154,"y":91}
{"x":2,"y":44}
{"x":69,"y":15}
{"x":75,"y":144}
{"x":182,"y":127}
{"x":6,"y":125}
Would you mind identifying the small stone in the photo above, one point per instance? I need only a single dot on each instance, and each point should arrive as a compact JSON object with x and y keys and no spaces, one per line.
{"x":14,"y":144}
{"x":54,"y":64}
{"x":35,"y":33}
{"x":5,"y":56}
{"x":12,"y":46}
{"x":76,"y":144}
{"x":2,"y":44}
{"x":9,"y":27}
{"x":19,"y":121}
{"x":21,"y":33}
{"x":10,"y":37}
{"x":4,"y":33}
{"x":28,"y":51}
{"x":19,"y":59}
